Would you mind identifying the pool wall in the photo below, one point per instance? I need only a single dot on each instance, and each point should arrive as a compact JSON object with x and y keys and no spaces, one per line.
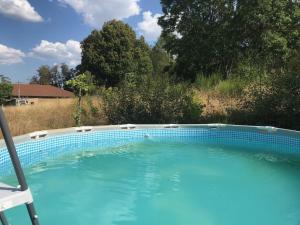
{"x":64,"y":141}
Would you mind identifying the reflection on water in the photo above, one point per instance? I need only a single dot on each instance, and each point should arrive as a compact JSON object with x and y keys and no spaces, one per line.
{"x":159,"y":182}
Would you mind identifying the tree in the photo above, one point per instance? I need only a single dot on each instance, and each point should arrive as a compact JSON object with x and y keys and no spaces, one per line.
{"x":161,"y":59}
{"x":34,"y":80}
{"x":267,"y":30}
{"x":67,"y":73}
{"x":5,"y":89}
{"x":81,"y":85}
{"x":57,"y":78}
{"x":4,"y":79}
{"x":275,"y":100}
{"x":113,"y":52}
{"x":44,"y":75}
{"x":213,"y":36}
{"x":56,"y":75}
{"x":141,"y":58}
{"x":61,"y":74}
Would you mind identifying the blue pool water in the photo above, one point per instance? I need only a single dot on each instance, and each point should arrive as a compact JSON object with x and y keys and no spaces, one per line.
{"x":175,"y":182}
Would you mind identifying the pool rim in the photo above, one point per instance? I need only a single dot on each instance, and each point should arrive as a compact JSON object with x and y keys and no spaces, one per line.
{"x":72,"y":130}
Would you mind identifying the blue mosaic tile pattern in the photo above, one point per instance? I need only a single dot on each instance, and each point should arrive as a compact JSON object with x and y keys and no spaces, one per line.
{"x":34,"y":151}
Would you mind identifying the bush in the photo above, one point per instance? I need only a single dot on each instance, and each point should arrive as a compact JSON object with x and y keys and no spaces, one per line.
{"x":145,"y":100}
{"x":275,"y":101}
{"x":92,"y":113}
{"x":5,"y":92}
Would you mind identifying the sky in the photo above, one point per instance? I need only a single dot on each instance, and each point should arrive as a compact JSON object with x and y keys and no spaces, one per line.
{"x":49,"y":32}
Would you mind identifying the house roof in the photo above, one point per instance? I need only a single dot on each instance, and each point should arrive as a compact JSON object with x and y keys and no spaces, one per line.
{"x":37,"y":90}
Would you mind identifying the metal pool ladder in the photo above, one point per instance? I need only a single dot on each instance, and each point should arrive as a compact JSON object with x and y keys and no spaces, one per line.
{"x":11,"y":197}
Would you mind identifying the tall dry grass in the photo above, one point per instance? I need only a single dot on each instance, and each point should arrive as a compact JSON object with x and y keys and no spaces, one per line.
{"x":216,"y":106}
{"x":50,"y":114}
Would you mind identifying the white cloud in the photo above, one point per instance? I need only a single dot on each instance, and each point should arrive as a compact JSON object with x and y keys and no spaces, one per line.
{"x":10,"y":56}
{"x":69,"y":52}
{"x":20,"y":9}
{"x":96,"y":12}
{"x":149,"y":27}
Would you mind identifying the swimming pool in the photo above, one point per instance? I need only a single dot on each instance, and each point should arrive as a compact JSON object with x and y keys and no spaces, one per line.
{"x":213,"y":174}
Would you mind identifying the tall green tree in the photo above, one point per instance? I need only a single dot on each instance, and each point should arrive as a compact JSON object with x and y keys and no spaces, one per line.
{"x":44,"y":76}
{"x":67,"y":72}
{"x":161,"y":59}
{"x":57,"y":78}
{"x":56,"y":75}
{"x":60,"y":74}
{"x":113,"y":52}
{"x":141,"y":58}
{"x":268,"y":30}
{"x":209,"y":36}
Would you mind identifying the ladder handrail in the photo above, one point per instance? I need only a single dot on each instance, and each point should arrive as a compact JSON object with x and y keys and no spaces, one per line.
{"x":17,"y":167}
{"x":12,"y":152}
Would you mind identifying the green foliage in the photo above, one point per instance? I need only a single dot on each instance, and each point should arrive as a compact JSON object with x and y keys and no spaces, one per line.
{"x":269,"y":30}
{"x":204,"y":83}
{"x":56,"y":75}
{"x":113,"y":52}
{"x":91,"y":113}
{"x":82,"y":84}
{"x":60,"y":74}
{"x":275,"y":101}
{"x":231,"y":87}
{"x":151,"y":101}
{"x":161,"y":59}
{"x":43,"y":76}
{"x":215,"y":36}
{"x":5,"y":89}
{"x":141,"y":58}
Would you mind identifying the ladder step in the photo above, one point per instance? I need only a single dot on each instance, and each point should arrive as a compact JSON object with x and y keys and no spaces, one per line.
{"x":11,"y":197}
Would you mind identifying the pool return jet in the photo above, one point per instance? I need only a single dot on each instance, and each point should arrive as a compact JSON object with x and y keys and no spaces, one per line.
{"x":11,"y":197}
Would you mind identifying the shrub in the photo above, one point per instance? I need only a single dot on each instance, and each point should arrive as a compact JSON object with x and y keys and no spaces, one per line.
{"x":5,"y":92}
{"x":275,"y":101}
{"x":145,"y":100}
{"x":92,"y":113}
